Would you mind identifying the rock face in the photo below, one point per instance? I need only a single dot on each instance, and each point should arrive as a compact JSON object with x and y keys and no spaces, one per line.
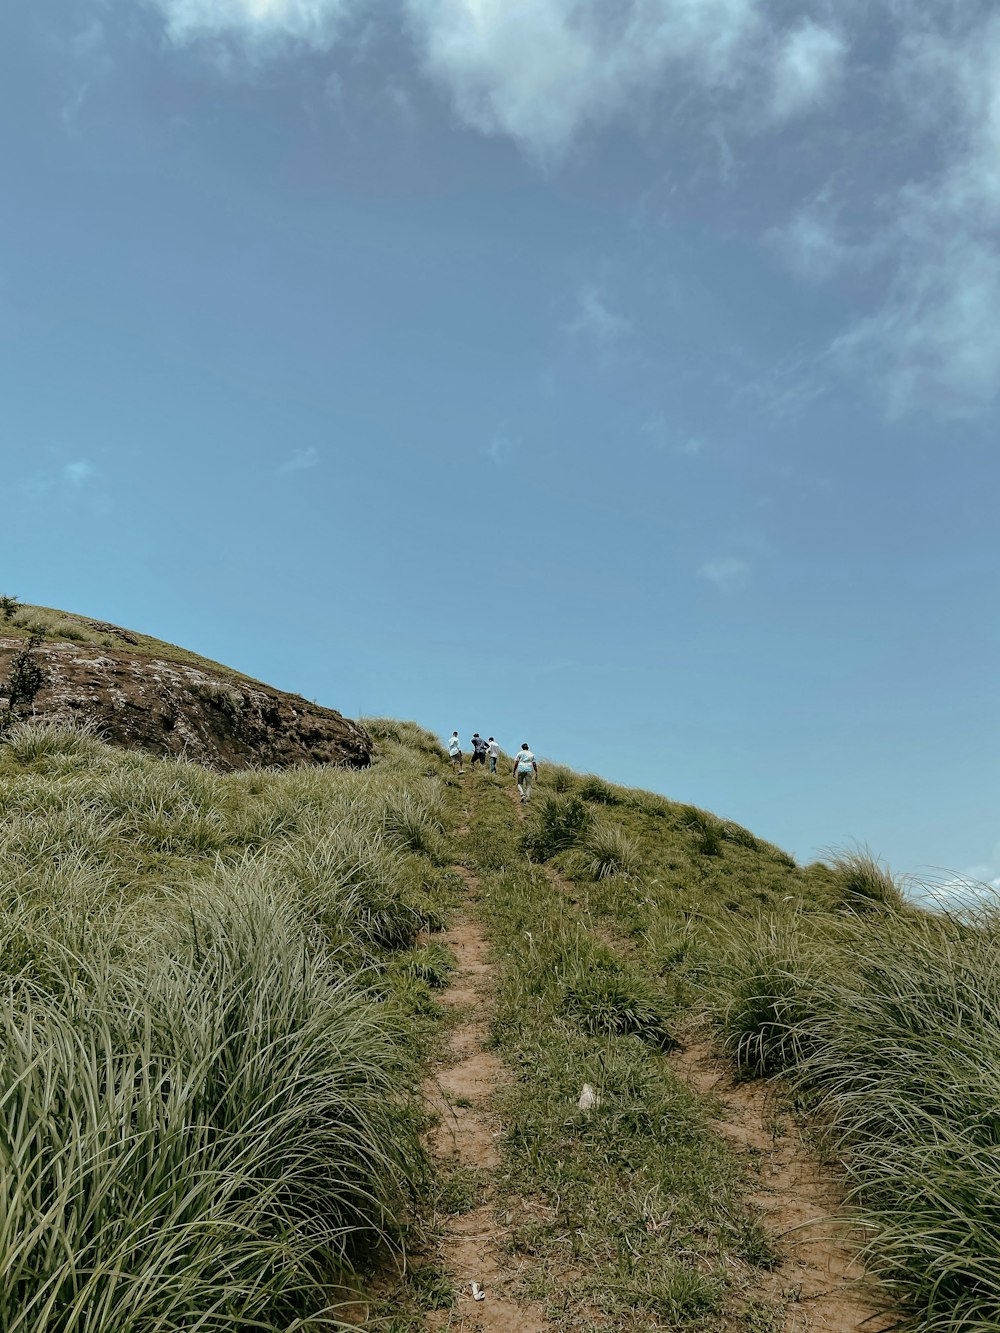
{"x":169,"y":708}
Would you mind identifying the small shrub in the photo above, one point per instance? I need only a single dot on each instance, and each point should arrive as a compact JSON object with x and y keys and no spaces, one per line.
{"x":32,"y":741}
{"x":596,"y":789}
{"x":433,"y":964}
{"x":737,"y":834}
{"x":8,"y":606}
{"x":413,"y":824}
{"x":27,"y":676}
{"x":611,"y":852}
{"x":557,"y":823}
{"x":560,"y":779}
{"x":708,"y":829}
{"x":220,"y":695}
{"x":864,"y":884}
{"x":607,"y":1002}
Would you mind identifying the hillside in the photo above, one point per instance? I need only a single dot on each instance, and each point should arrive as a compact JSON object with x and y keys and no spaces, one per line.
{"x":143,"y":694}
{"x":322,"y":1048}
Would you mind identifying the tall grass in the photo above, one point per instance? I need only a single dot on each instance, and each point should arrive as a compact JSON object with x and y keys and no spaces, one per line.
{"x":610,"y":851}
{"x":208,"y":1105}
{"x":888,"y":1026}
{"x":200,"y":1138}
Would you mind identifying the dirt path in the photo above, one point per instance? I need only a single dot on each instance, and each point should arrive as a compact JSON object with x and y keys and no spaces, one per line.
{"x":472,"y":1246}
{"x":818,"y":1287}
{"x":819,"y":1283}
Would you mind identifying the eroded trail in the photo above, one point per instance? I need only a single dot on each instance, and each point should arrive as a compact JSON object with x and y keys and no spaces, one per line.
{"x":818,"y":1286}
{"x":473,"y":1248}
{"x":820,"y":1283}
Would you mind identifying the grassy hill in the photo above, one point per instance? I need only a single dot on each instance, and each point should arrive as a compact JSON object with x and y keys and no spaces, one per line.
{"x":20,"y":620}
{"x":221,"y":1004}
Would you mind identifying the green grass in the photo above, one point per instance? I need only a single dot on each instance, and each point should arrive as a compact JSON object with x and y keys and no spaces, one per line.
{"x":217,"y":993}
{"x":213,"y":1008}
{"x":886,"y":1025}
{"x":638,"y":1197}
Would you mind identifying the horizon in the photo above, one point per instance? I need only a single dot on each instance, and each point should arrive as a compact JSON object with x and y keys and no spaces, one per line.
{"x":638,"y":401}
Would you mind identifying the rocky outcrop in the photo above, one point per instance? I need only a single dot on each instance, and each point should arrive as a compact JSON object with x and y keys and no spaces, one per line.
{"x":170,"y":708}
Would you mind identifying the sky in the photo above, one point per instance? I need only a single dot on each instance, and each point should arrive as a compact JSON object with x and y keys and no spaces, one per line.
{"x":616,"y":375}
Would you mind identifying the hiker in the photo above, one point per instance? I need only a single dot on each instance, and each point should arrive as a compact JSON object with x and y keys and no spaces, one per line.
{"x":455,"y":750}
{"x":493,"y":750}
{"x":479,"y":748}
{"x":525,"y":770}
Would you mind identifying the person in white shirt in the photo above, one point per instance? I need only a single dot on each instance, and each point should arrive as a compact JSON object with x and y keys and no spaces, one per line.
{"x":493,"y":750}
{"x":525,"y":770}
{"x":455,"y":750}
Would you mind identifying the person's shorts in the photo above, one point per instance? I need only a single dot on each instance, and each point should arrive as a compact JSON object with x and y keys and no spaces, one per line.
{"x":479,"y":756}
{"x":456,"y":758}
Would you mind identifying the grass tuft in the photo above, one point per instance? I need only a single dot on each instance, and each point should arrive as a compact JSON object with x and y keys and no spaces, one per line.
{"x":611,"y":851}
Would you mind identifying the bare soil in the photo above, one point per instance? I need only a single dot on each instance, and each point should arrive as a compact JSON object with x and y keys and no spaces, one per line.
{"x":473,"y":1247}
{"x":820,"y":1283}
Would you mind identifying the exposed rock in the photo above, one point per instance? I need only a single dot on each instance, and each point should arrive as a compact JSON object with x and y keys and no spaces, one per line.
{"x":169,"y":708}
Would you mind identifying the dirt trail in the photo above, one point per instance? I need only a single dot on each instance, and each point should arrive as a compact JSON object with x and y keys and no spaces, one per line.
{"x":473,"y":1242}
{"x":819,"y":1285}
{"x":820,"y":1282}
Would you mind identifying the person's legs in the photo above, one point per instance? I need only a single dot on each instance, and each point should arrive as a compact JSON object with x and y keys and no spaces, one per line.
{"x":493,"y":763}
{"x":526,"y":781}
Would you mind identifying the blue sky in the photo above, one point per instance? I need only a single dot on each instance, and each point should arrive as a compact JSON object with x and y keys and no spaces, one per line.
{"x":620,"y":377}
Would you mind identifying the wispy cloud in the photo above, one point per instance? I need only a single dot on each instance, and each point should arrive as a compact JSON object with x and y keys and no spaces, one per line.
{"x":812,"y":244}
{"x":727,"y":573}
{"x":301,"y":460}
{"x":549,"y":73}
{"x":807,"y":70}
{"x":933,"y":342}
{"x":312,"y":21}
{"x":595,"y":320}
{"x":70,"y":484}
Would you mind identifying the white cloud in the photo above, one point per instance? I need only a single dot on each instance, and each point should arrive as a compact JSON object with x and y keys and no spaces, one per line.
{"x":301,"y":460}
{"x":726,"y":572}
{"x":595,"y":319}
{"x":312,"y":21}
{"x":542,"y":71}
{"x":807,"y":70}
{"x":935,"y":342}
{"x":545,"y":73}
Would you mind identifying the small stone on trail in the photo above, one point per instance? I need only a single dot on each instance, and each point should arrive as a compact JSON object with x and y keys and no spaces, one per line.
{"x":588,"y":1098}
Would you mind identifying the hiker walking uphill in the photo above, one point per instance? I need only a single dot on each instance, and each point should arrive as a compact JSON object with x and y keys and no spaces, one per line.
{"x":479,"y":748}
{"x":525,"y":770}
{"x":493,"y":750}
{"x":455,"y":752}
